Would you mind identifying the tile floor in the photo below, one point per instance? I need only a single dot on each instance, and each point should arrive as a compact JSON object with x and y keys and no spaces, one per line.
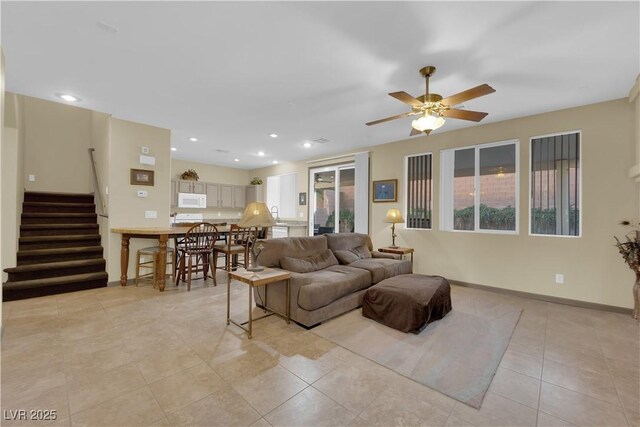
{"x":134,"y":357}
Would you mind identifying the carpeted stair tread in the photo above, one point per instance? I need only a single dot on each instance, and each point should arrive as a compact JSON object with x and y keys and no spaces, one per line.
{"x":48,"y":194}
{"x":58,"y":215}
{"x":54,"y":226}
{"x":53,"y":281}
{"x":31,"y":239}
{"x":53,"y":251}
{"x":58,"y":205}
{"x":54,"y":265}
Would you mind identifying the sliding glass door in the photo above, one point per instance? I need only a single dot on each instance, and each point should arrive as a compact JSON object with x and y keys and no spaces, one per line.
{"x":332,"y":199}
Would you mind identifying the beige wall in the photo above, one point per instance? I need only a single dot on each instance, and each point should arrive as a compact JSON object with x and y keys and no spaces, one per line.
{"x":10,"y":215}
{"x":634,"y":99}
{"x":593,"y":269}
{"x":126,"y":209}
{"x":2,"y":264}
{"x":211,"y":173}
{"x":57,"y":135}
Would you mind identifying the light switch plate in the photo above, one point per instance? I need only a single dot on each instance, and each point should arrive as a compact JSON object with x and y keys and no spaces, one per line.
{"x":147,"y":160}
{"x":32,"y":178}
{"x":151,"y":214}
{"x":142,"y":193}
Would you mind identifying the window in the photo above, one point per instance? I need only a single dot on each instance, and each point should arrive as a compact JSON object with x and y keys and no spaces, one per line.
{"x":282,"y":193}
{"x":418,"y":194}
{"x":479,"y":188}
{"x":555,"y":185}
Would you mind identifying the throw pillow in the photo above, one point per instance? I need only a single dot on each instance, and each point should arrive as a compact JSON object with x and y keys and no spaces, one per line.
{"x":346,"y":257}
{"x":309,"y":264}
{"x":362,"y":252}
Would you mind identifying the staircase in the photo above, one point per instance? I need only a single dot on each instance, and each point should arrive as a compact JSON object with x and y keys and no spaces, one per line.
{"x":59,"y":247}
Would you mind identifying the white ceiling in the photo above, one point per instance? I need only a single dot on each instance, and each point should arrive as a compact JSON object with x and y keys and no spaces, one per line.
{"x":231,"y":73}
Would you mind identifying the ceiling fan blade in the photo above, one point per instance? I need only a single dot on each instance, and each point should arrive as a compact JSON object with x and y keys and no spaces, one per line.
{"x":406,"y":98}
{"x":399,"y":116}
{"x":475,"y":92}
{"x":474,"y":116}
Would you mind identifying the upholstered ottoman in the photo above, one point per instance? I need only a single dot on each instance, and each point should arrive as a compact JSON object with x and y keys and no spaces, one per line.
{"x":408,"y":302}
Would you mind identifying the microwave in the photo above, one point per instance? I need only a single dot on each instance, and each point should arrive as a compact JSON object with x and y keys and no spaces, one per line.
{"x":190,"y":200}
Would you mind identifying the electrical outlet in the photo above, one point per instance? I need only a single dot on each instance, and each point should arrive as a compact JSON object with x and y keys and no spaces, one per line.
{"x":301,"y":214}
{"x":145,"y":150}
{"x":151,"y":214}
{"x":32,"y":178}
{"x":142,"y":193}
{"x":559,"y":279}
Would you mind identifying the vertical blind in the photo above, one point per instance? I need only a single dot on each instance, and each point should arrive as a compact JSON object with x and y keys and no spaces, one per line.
{"x":555,"y":192}
{"x":419,"y":191}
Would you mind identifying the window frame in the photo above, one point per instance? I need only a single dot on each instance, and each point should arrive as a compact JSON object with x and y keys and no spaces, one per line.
{"x":580,"y":145}
{"x":406,"y":191}
{"x":448,"y":187}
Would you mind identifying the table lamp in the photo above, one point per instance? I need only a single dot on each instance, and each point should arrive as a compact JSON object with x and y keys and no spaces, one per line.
{"x":394,"y":217}
{"x":255,"y":215}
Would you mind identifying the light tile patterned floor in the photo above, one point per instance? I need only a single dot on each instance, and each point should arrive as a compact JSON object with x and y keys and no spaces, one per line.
{"x":135,"y":357}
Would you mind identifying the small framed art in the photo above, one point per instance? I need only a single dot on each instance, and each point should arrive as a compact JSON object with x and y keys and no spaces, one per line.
{"x":385,"y":190}
{"x":141,"y":177}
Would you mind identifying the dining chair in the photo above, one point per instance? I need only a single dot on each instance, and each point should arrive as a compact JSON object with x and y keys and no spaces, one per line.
{"x":198,"y":244}
{"x":233,"y":248}
{"x":146,"y":258}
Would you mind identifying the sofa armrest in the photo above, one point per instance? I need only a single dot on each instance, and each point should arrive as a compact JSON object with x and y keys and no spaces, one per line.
{"x":377,"y":254}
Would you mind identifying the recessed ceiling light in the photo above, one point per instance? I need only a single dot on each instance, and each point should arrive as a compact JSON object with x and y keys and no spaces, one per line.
{"x":275,"y":162}
{"x":306,"y":145}
{"x":273,"y":135}
{"x":260,"y":153}
{"x":174,"y":149}
{"x":236,"y":160}
{"x":68,"y":98}
{"x":192,"y":139}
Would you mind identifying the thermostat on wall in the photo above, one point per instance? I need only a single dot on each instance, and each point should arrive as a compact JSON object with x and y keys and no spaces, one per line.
{"x":147,"y":160}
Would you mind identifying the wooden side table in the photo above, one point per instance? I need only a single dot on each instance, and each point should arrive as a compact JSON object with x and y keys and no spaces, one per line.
{"x":397,"y":251}
{"x":254,"y":279}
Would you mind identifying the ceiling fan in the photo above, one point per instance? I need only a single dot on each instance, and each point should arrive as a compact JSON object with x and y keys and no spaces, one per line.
{"x":432,"y":108}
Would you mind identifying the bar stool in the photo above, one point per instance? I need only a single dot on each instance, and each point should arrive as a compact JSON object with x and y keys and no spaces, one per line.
{"x":152,"y":251}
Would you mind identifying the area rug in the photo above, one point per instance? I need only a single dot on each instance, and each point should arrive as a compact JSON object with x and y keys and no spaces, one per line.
{"x":457,"y":356}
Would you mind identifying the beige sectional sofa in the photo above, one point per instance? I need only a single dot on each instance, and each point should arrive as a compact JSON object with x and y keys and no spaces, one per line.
{"x":329,"y":274}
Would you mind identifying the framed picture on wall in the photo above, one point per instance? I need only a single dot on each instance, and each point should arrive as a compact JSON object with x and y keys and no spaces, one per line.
{"x":385,"y":190}
{"x":302,"y":199}
{"x":141,"y":177}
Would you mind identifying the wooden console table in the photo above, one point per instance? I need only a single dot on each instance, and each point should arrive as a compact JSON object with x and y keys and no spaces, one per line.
{"x":397,"y":251}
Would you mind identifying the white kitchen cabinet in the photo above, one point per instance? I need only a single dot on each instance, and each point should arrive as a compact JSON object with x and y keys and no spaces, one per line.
{"x":226,"y":196}
{"x":213,"y":195}
{"x":239,"y":196}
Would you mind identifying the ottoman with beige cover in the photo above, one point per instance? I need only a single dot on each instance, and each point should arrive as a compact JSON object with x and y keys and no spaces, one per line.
{"x":408,"y":302}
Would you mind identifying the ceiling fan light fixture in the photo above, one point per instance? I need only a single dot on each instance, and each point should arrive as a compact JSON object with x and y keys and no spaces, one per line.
{"x":427,"y":122}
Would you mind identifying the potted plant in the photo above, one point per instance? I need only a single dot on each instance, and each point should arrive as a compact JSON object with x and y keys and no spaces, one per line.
{"x":630,"y":250}
{"x":190,"y":175}
{"x":256,"y":181}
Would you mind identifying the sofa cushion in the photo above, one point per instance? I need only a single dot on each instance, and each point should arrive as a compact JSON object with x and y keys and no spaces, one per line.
{"x":275,"y":249}
{"x":308,"y":264}
{"x":322,"y":287}
{"x":383,"y":268}
{"x":348,"y":241}
{"x":348,"y":256}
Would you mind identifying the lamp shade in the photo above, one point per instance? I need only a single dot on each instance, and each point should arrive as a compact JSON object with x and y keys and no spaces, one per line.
{"x":394,"y":216}
{"x":427,"y":122}
{"x":256,"y":215}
